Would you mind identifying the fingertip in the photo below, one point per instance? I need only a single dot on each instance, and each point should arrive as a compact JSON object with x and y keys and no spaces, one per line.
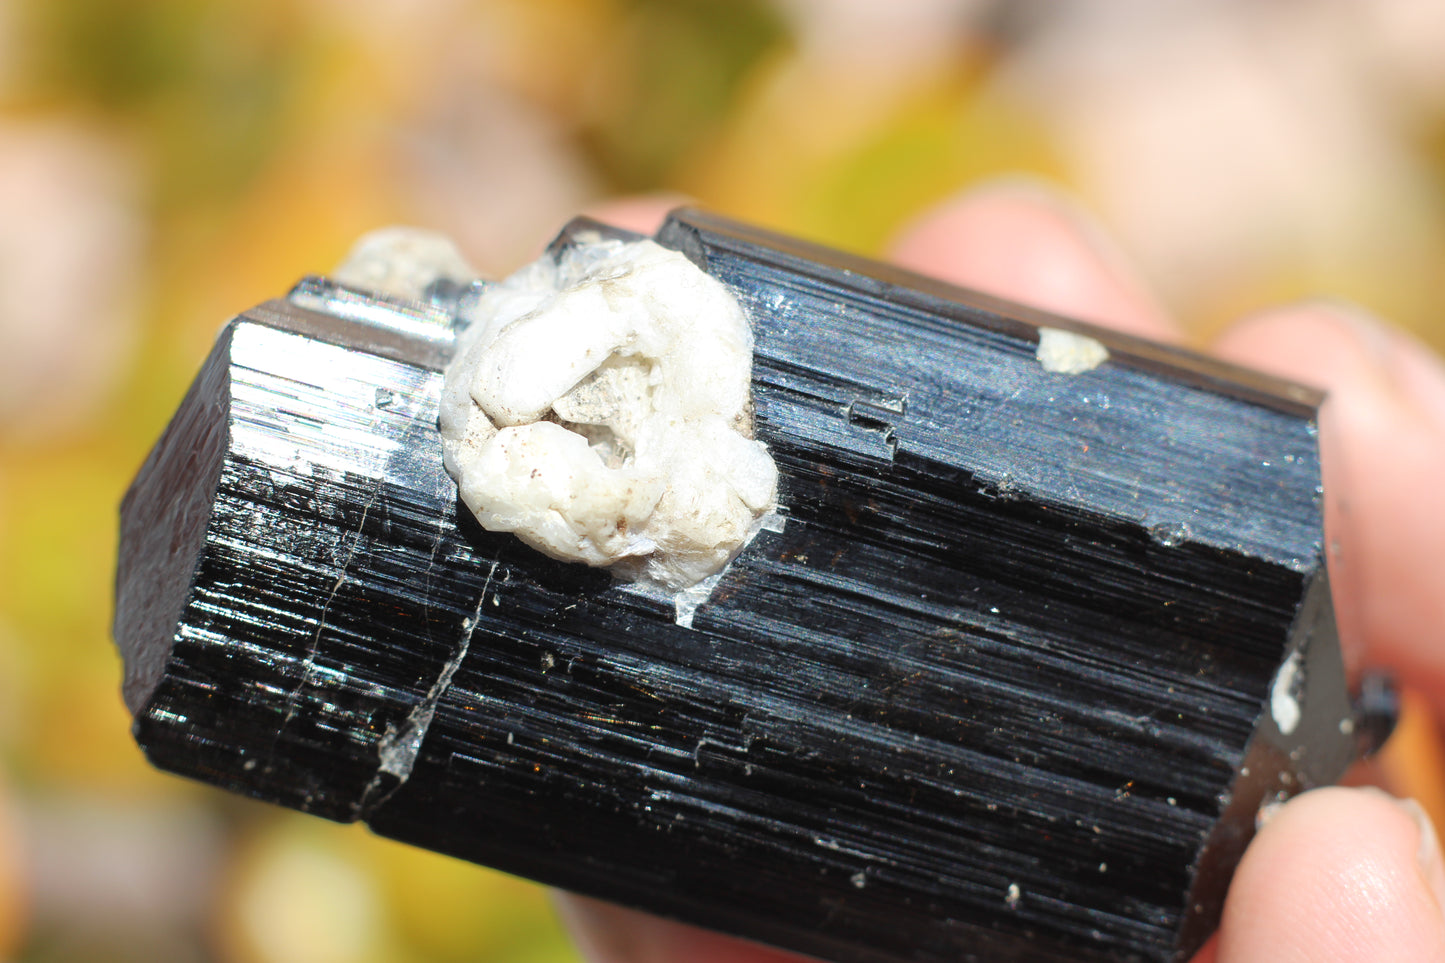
{"x":1023,"y":240}
{"x":1318,"y":343}
{"x":602,"y":933}
{"x":1209,"y":953}
{"x":643,"y":213}
{"x":1382,"y":446}
{"x":607,"y":933}
{"x":1337,"y":875}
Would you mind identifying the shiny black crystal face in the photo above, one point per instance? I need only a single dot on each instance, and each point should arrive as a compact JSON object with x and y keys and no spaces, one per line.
{"x":1010,"y":684}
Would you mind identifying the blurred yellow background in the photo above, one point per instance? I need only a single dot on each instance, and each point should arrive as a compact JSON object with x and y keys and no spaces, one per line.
{"x":165,"y":163}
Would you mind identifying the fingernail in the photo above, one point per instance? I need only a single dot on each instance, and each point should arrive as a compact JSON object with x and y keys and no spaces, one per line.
{"x":1409,"y":369}
{"x":1422,"y":377}
{"x":1371,"y":334}
{"x":1427,"y":852}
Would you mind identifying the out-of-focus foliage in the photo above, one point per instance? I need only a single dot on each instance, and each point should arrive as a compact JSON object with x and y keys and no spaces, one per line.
{"x":165,"y":163}
{"x":205,"y":87}
{"x":668,"y":80}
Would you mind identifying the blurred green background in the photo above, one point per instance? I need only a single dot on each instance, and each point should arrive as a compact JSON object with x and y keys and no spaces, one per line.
{"x":165,"y":163}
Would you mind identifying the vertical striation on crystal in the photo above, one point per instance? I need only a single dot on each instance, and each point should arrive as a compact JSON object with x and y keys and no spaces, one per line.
{"x":1036,"y":642}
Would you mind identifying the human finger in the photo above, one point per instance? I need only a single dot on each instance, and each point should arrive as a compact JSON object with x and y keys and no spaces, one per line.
{"x":606,"y":933}
{"x":1338,"y":875}
{"x":1382,"y":441}
{"x":642,"y":213}
{"x":1028,"y":243}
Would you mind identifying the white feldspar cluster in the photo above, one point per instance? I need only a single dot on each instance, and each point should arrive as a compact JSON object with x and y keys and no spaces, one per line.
{"x":599,"y":408}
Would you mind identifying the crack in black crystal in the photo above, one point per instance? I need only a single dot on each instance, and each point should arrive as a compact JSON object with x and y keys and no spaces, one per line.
{"x":998,"y":690}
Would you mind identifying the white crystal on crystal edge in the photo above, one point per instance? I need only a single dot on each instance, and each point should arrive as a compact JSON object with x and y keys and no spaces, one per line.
{"x":598,"y":407}
{"x":402,"y":262}
{"x":1065,"y":352}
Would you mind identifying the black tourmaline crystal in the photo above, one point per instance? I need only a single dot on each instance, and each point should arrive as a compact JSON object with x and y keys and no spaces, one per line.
{"x":1011,"y":683}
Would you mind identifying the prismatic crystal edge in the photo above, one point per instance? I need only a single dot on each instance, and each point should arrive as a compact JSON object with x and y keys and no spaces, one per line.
{"x":1035,"y":642}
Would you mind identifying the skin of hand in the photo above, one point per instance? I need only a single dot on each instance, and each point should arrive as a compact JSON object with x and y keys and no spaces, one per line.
{"x":1336,"y":874}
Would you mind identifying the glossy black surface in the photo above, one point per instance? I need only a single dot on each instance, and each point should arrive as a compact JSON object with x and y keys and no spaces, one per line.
{"x":990,"y":693}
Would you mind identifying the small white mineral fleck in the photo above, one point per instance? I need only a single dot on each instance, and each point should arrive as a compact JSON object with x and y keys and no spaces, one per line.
{"x":1284,"y":694}
{"x":599,"y":408}
{"x":1065,"y":352}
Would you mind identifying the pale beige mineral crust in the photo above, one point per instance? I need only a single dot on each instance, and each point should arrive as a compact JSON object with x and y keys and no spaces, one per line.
{"x":1066,"y":352}
{"x":599,"y":408}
